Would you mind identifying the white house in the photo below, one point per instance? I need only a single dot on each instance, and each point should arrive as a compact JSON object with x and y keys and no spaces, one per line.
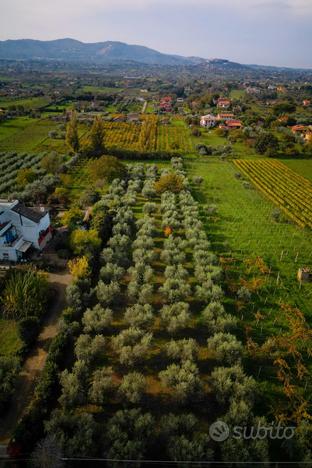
{"x":22,"y":228}
{"x":208,"y":121}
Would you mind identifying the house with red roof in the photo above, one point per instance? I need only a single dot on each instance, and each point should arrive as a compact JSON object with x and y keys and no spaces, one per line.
{"x":224,"y":103}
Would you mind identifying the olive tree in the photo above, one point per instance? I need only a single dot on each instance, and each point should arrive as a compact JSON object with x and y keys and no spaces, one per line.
{"x":216,"y":319}
{"x":108,"y":294}
{"x":129,"y":433}
{"x":232,"y":382}
{"x":186,"y":349}
{"x":175,"y":316}
{"x":183,"y":379}
{"x":88,"y":348}
{"x":102,"y":385}
{"x":74,"y":385}
{"x":74,"y":432}
{"x":175,"y":289}
{"x":139,"y":315}
{"x":132,"y":387}
{"x":96,"y":320}
{"x":226,"y":346}
{"x":131,"y":345}
{"x":111,"y":272}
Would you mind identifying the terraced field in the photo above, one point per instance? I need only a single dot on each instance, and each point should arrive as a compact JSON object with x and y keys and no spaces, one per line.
{"x":291,"y":192}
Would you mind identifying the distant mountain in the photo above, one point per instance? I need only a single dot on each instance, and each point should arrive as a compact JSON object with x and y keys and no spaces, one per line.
{"x":112,"y":52}
{"x":100,"y":52}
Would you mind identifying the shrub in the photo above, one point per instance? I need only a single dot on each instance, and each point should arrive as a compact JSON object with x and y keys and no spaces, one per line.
{"x":85,"y":242}
{"x":9,"y":368}
{"x":169,"y":182}
{"x":25,"y":294}
{"x":108,"y":168}
{"x":79,"y":267}
{"x":29,"y":329}
{"x":232,"y":383}
{"x":74,"y":385}
{"x":111,"y":272}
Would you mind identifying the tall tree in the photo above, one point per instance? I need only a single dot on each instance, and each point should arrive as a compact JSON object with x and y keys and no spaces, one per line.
{"x":96,"y":139}
{"x":72,"y":137}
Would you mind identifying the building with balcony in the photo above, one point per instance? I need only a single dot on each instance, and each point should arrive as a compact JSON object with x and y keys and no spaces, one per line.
{"x":22,"y":228}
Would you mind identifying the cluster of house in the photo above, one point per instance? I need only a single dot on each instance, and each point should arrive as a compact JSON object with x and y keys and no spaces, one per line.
{"x":165,"y":104}
{"x":22,"y":229}
{"x":305,"y":131}
{"x":225,"y":120}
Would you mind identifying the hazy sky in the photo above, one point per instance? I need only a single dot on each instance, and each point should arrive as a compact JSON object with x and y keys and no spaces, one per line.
{"x":273,"y":32}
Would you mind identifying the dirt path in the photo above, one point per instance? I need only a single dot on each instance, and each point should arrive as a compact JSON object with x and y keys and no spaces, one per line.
{"x":36,"y":359}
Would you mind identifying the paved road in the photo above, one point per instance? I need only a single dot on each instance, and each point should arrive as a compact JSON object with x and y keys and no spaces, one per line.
{"x":35,"y":361}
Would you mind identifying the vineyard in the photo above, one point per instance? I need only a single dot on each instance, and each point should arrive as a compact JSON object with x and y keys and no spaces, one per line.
{"x":290,"y":191}
{"x":11,"y":163}
{"x":149,"y":136}
{"x":174,"y":139}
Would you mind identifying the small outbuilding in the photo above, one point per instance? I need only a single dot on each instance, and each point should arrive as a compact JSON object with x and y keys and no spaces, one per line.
{"x":304,"y":275}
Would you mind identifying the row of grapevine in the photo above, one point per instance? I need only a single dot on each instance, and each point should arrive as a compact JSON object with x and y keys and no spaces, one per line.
{"x":290,"y":191}
{"x":149,"y":135}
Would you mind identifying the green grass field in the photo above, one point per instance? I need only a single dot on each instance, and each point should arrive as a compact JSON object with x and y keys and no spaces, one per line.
{"x":302,"y":166}
{"x":100,"y":90}
{"x":237,"y":93}
{"x":27,"y":103}
{"x":23,"y":134}
{"x":10,"y":342}
{"x":246,"y":239}
{"x":245,"y":228}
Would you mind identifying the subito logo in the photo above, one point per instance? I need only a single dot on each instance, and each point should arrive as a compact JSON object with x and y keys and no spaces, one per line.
{"x":219,"y":431}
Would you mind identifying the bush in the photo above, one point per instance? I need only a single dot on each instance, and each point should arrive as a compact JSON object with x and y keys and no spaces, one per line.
{"x":9,"y":368}
{"x":25,"y":294}
{"x":28,"y":330}
{"x":108,"y":168}
{"x":170,"y":182}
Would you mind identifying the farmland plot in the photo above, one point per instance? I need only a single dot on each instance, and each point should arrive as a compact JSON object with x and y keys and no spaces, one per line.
{"x":142,"y":359}
{"x":287,"y":189}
